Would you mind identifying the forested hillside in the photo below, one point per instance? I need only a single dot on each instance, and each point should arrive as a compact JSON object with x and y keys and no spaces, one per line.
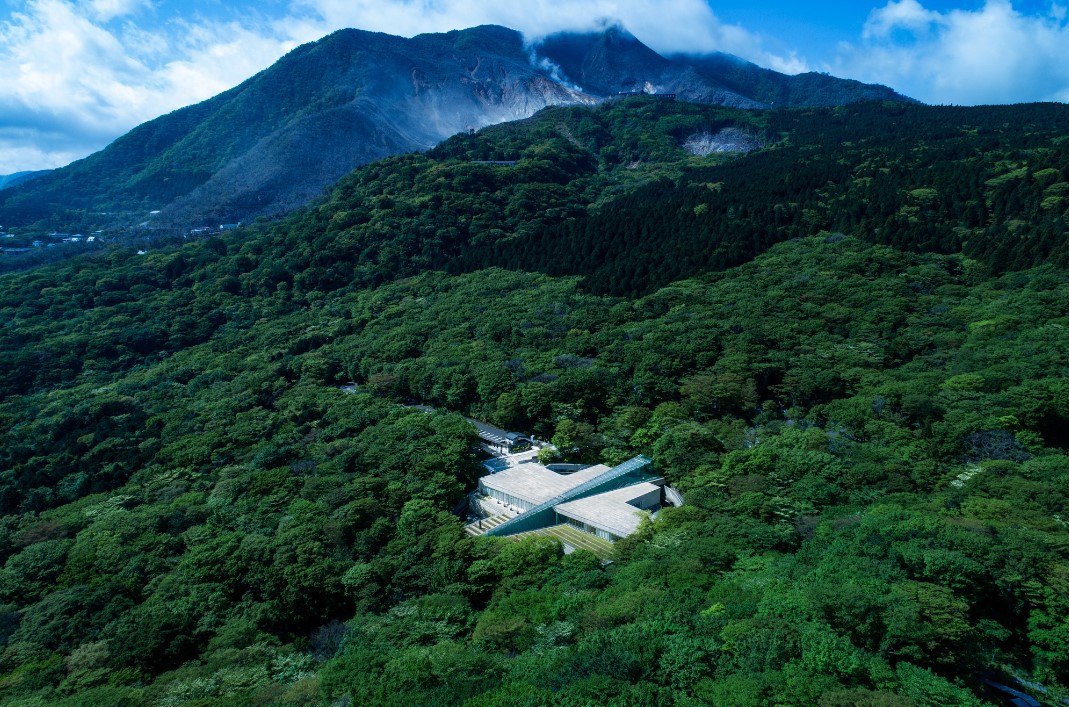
{"x":610,"y":193}
{"x":865,"y":405}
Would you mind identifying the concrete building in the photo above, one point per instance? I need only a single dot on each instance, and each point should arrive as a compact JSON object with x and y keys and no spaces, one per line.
{"x":527,"y":486}
{"x":607,"y":502}
{"x":615,"y":514}
{"x":498,"y":440}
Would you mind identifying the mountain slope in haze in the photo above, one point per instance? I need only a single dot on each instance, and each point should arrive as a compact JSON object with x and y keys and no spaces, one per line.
{"x":277,"y":140}
{"x":774,"y":89}
{"x":11,"y":180}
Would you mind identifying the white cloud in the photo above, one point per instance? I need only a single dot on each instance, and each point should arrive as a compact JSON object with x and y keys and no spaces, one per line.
{"x":105,"y":10}
{"x":82,"y":74}
{"x":54,"y":58}
{"x":899,"y":14}
{"x":993,"y":54}
{"x":25,"y":151}
{"x":665,"y":25}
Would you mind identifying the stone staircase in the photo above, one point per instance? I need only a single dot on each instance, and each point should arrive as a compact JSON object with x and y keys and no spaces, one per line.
{"x":481,"y":526}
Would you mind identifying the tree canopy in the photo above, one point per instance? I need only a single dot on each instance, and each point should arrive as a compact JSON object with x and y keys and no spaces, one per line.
{"x":869,"y":429}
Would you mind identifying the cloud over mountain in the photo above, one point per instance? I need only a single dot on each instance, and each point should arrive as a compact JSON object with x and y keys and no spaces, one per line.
{"x":667,"y":26}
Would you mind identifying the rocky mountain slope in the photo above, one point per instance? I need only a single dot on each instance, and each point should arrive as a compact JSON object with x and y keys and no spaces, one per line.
{"x":614,"y":61}
{"x":277,"y":140}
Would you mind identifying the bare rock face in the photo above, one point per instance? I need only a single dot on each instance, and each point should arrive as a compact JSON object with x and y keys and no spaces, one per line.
{"x":724,"y":141}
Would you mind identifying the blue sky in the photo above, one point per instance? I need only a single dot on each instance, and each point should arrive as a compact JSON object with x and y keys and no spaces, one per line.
{"x":76,"y":74}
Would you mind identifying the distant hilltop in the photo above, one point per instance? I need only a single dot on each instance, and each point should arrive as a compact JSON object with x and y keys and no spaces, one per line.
{"x":11,"y":180}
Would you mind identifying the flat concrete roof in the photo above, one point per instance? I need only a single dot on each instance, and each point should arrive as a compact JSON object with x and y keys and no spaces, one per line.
{"x":610,"y":511}
{"x":536,"y":484}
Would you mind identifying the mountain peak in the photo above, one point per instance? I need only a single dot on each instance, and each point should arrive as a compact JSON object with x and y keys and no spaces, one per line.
{"x":274,"y":142}
{"x":604,"y":62}
{"x":615,"y":30}
{"x":491,"y":34}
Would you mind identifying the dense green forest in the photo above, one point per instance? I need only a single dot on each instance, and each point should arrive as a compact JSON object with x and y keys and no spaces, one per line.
{"x":609,"y":194}
{"x":866,"y":409}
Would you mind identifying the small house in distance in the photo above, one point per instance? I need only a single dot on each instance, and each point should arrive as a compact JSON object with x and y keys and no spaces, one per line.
{"x":500,"y":441}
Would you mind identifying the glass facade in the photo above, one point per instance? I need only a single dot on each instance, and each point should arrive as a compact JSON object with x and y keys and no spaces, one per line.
{"x":507,"y":499}
{"x":587,"y":528}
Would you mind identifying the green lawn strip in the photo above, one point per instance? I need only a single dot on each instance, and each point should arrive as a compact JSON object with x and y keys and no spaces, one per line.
{"x":601,"y":548}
